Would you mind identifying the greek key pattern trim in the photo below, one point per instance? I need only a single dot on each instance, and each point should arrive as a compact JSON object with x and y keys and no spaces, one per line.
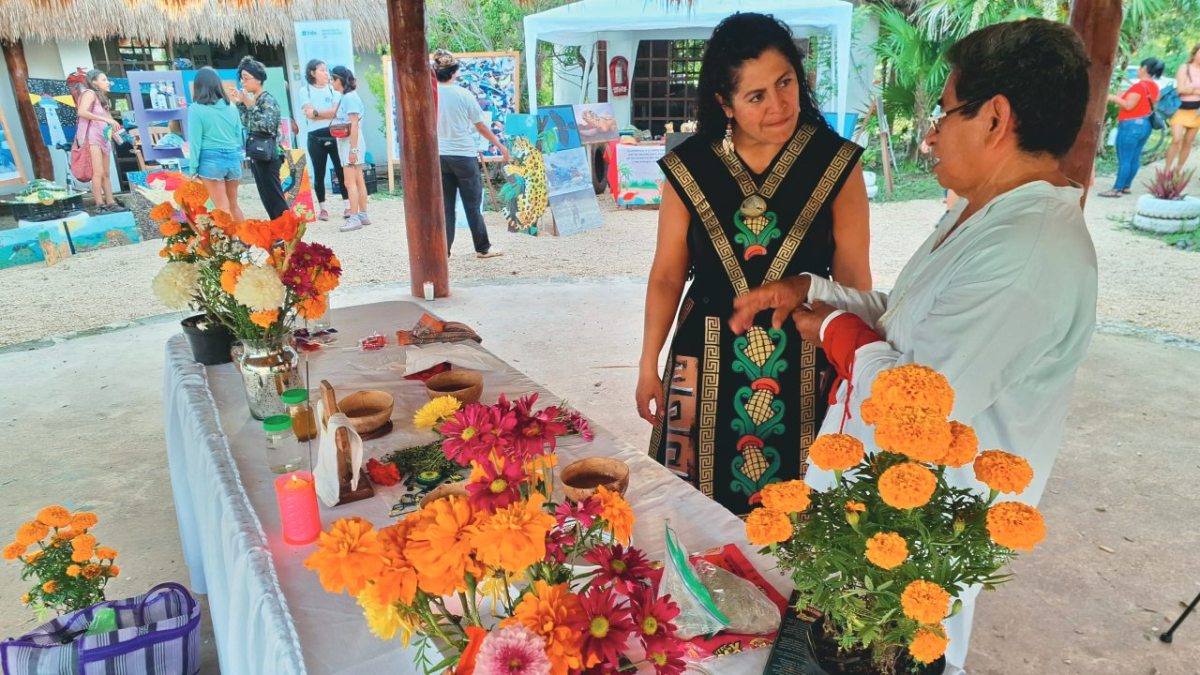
{"x":790,"y":154}
{"x":808,"y":401}
{"x":657,"y":434}
{"x":709,"y":380}
{"x":713,"y":226}
{"x":791,"y":243}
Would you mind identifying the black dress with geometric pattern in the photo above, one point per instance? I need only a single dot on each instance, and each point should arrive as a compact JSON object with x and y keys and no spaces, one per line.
{"x":741,"y":411}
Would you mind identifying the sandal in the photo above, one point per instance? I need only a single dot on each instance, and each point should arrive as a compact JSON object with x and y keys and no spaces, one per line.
{"x":1110,"y":193}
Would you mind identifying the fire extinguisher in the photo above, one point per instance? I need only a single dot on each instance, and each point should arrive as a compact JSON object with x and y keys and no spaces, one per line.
{"x":618,"y":76}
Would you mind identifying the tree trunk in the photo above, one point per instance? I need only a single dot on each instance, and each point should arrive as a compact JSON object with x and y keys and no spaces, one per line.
{"x":1098,"y":22}
{"x":425,"y":221}
{"x":18,"y":71}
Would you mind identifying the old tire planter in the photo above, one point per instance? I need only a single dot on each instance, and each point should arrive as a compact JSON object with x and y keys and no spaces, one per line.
{"x":210,"y":344}
{"x":1167,"y":216}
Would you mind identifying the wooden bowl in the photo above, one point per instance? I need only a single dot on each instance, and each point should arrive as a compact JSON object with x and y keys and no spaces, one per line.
{"x":367,"y":410}
{"x":464,"y":385}
{"x":458,"y":489}
{"x":580,"y":479}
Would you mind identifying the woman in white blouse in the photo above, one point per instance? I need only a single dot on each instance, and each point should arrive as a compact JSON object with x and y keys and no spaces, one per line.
{"x":317,"y":102}
{"x":1001,"y":298}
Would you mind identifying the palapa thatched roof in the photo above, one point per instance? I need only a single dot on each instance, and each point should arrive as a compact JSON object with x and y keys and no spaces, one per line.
{"x":212,"y":21}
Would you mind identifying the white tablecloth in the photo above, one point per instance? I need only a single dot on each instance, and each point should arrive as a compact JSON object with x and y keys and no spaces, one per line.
{"x":269,"y":613}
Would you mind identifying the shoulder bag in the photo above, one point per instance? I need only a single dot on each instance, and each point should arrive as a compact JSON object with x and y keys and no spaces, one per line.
{"x":339,"y":129}
{"x":81,"y":158}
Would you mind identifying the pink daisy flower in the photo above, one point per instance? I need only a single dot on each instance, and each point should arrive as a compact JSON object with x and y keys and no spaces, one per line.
{"x":653,"y":616}
{"x":496,"y":488}
{"x":467,"y":434}
{"x":625,"y":568}
{"x":586,"y":512}
{"x":609,"y":627}
{"x":666,"y":657}
{"x":514,"y":650}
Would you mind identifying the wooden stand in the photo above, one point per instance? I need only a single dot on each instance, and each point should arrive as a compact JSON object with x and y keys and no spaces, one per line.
{"x":341,"y":438}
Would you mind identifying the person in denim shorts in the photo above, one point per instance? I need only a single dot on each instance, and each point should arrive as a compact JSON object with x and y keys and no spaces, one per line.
{"x":215,"y":142}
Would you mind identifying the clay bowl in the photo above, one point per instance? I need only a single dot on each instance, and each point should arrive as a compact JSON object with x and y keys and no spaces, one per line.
{"x":367,"y":410}
{"x":444,"y":490}
{"x":464,"y":385}
{"x":580,"y":479}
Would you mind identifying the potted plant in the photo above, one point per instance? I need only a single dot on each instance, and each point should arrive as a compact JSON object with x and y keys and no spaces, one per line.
{"x":883,"y":555}
{"x":1166,"y":209}
{"x":60,"y":555}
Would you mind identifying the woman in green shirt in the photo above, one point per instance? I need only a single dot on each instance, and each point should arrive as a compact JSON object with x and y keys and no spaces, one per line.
{"x":215,"y":142}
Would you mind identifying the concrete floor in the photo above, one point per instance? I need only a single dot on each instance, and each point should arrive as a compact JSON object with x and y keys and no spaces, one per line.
{"x":82,"y":426}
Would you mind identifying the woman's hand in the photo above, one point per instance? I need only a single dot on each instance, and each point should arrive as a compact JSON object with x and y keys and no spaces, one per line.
{"x":649,"y":388}
{"x":114,"y":124}
{"x":808,"y":321}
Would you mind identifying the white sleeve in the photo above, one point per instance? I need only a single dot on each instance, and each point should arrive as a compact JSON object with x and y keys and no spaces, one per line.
{"x":302,"y":97}
{"x":868,"y":305}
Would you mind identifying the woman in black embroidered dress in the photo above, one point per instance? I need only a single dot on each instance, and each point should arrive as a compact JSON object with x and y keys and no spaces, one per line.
{"x":764,"y":190}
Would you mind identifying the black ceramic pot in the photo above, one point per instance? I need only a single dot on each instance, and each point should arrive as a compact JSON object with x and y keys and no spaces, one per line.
{"x":210,"y":341}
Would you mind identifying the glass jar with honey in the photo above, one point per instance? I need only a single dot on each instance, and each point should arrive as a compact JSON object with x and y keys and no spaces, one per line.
{"x":304,"y":422}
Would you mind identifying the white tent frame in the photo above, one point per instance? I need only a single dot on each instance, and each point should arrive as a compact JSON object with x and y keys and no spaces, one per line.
{"x":587,"y":21}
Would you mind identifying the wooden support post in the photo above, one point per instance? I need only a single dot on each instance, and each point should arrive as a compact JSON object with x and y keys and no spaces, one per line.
{"x":424,"y":218}
{"x":1098,"y":22}
{"x":18,"y":71}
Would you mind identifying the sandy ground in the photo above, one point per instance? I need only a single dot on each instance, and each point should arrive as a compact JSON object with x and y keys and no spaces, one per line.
{"x":1142,"y":281}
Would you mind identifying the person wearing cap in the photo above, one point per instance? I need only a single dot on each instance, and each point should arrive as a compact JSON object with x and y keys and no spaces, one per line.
{"x":260,"y":115}
{"x":459,"y":119}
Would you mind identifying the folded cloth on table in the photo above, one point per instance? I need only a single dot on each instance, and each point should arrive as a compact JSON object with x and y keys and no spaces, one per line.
{"x":419,"y":358}
{"x":430,"y":330}
{"x":329,"y":482}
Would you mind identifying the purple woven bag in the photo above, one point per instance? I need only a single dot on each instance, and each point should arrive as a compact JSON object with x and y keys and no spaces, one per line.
{"x":157,"y":634}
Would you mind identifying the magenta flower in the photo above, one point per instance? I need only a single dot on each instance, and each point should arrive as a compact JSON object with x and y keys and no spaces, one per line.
{"x":666,"y":657}
{"x":557,"y":544}
{"x":535,"y":434}
{"x":514,"y":650}
{"x":468,"y":434}
{"x":653,"y":616}
{"x":496,"y":488}
{"x":609,"y":627}
{"x":586,"y":512}
{"x":577,"y":424}
{"x":625,"y":568}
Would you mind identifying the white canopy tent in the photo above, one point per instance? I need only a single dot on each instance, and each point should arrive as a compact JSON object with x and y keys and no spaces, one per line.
{"x":587,"y":21}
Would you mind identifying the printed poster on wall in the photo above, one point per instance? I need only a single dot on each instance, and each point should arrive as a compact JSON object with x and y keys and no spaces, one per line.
{"x":328,"y":41}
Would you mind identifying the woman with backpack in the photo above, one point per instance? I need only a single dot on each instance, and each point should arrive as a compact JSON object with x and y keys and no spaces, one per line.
{"x":1186,"y":121}
{"x":1136,"y":106}
{"x":95,"y":119}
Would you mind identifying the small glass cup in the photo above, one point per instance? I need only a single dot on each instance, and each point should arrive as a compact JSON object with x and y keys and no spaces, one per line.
{"x":283,"y":452}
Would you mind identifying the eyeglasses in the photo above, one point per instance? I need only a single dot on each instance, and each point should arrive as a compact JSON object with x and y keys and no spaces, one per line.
{"x":936,"y":120}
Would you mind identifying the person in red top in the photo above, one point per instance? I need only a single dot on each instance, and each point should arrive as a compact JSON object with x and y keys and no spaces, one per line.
{"x":1133,"y":124}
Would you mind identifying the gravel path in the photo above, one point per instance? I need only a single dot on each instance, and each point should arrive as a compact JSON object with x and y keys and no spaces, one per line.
{"x":1142,"y":281}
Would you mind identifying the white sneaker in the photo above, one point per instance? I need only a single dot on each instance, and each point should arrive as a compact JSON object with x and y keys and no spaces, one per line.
{"x":491,"y":253}
{"x":364,"y":218}
{"x":352,"y":223}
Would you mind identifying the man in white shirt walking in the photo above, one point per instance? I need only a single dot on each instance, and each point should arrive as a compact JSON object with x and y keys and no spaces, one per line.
{"x":459,"y":119}
{"x":1001,"y":299}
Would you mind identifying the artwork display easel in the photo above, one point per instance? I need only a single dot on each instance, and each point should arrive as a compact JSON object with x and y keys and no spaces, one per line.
{"x":12,"y":170}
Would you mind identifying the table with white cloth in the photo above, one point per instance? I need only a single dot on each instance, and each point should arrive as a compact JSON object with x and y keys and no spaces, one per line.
{"x":269,"y":613}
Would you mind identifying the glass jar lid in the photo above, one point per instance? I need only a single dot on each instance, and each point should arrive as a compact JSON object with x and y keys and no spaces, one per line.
{"x":276,"y":423}
{"x":294,"y":396}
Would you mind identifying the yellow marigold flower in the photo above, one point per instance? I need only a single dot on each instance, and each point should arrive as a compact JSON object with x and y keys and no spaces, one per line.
{"x":767,"y":526}
{"x":386,"y":620}
{"x":14,"y":550}
{"x":913,"y":386}
{"x":1015,"y":525}
{"x":787,"y":497}
{"x":514,"y":537}
{"x":34,"y":556}
{"x":964,"y":445}
{"x":91,"y":571}
{"x":836,"y":452}
{"x":25,"y":599}
{"x":54,"y":516}
{"x":84,"y":520}
{"x":887,"y":550}
{"x":74,"y":570}
{"x":112,"y":570}
{"x":616,"y":512}
{"x":928,"y":644}
{"x":1003,"y":471}
{"x":162,"y":212}
{"x":907,"y":486}
{"x":852,"y":511}
{"x":105,"y":553}
{"x":912,"y":432}
{"x":50,"y":586}
{"x":32,"y":532}
{"x":925,"y":602}
{"x":431,"y":414}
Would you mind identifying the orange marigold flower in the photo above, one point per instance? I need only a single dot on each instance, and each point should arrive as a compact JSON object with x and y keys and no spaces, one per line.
{"x":165,"y":253}
{"x":170,"y":228}
{"x":925,"y":602}
{"x":397,"y":582}
{"x":265,"y":318}
{"x":162,"y":212}
{"x":1015,"y":525}
{"x":869,"y":411}
{"x":856,"y":507}
{"x":514,"y":537}
{"x":887,"y":550}
{"x":767,"y":526}
{"x":836,"y":452}
{"x":191,"y":195}
{"x":111,"y":570}
{"x":617,"y":513}
{"x":230,"y":271}
{"x":66,"y":535}
{"x":83,"y":521}
{"x":106,"y":553}
{"x":314,"y":308}
{"x":92,"y":570}
{"x":439,"y":546}
{"x":556,"y":614}
{"x":34,"y":556}
{"x":325,"y":282}
{"x":87,"y":541}
{"x":13,"y":551}
{"x":50,"y":586}
{"x":32,"y":532}
{"x":178,"y":248}
{"x":224,"y":222}
{"x":907,"y":486}
{"x":928,"y":644}
{"x":74,"y":570}
{"x":913,"y":386}
{"x":54,"y":516}
{"x":25,"y":599}
{"x":964,"y":445}
{"x":1003,"y":471}
{"x":914,"y":433}
{"x":347,"y":556}
{"x":787,"y":497}
{"x":255,"y":233}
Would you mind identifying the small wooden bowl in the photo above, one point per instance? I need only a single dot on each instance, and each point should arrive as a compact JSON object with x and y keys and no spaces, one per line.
{"x":580,"y":479}
{"x":458,"y":489}
{"x":464,"y":385}
{"x":367,"y":410}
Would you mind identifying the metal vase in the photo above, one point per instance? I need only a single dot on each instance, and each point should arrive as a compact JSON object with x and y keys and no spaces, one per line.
{"x":268,"y":368}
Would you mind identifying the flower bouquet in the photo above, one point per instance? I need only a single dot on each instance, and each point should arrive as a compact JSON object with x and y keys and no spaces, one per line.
{"x":504,"y":580}
{"x":68,"y":567}
{"x":884,"y":553}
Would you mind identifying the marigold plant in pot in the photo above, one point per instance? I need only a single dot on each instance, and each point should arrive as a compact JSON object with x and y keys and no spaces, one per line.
{"x":61,"y":556}
{"x":1165,"y":208}
{"x":884,"y":553}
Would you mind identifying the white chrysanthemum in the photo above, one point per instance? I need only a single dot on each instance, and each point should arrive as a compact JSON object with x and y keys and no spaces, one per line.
{"x":260,"y":289}
{"x":176,"y":284}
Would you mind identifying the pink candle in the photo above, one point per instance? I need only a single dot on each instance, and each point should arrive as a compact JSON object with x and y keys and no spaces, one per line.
{"x":297,"y":495}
